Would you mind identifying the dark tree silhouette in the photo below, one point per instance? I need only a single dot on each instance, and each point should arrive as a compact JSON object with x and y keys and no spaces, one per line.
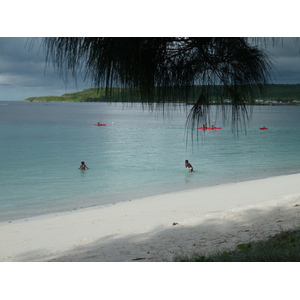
{"x":167,"y":70}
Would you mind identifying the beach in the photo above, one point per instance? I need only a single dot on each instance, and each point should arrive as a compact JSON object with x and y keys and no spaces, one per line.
{"x":158,"y":228}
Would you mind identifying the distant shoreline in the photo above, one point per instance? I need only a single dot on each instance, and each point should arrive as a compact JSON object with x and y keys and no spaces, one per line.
{"x":278,"y":94}
{"x":64,"y":101}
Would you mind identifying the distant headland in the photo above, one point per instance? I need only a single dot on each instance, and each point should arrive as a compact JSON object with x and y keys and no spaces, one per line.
{"x":277,"y":94}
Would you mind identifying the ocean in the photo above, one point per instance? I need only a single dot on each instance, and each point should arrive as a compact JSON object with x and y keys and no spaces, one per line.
{"x":137,"y":154}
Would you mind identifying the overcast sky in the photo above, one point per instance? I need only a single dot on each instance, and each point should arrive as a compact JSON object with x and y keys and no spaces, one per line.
{"x":23,"y":73}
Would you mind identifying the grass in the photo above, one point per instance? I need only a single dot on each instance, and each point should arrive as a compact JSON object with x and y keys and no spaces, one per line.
{"x":283,"y":247}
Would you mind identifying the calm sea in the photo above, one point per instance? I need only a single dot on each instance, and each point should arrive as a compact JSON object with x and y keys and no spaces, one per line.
{"x":137,"y":154}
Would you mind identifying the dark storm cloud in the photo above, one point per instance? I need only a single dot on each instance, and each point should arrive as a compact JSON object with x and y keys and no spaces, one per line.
{"x":285,"y":56}
{"x":23,"y":72}
{"x":17,"y":59}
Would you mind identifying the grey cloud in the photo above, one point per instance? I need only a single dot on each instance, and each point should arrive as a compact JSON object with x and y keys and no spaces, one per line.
{"x":285,"y":56}
{"x":23,"y":71}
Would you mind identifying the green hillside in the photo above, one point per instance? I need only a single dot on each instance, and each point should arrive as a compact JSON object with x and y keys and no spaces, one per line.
{"x":87,"y":95}
{"x":284,"y":93}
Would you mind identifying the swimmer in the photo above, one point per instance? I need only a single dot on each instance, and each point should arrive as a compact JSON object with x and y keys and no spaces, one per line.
{"x":83,"y":166}
{"x":188,"y":165}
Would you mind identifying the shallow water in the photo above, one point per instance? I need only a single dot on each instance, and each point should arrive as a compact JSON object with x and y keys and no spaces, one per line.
{"x":137,"y":154}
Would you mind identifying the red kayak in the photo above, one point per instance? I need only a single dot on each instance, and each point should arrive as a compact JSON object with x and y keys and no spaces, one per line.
{"x":210,"y":128}
{"x":263,"y":128}
{"x":100,"y":124}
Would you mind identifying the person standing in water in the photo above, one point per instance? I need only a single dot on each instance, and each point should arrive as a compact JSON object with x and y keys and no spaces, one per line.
{"x":83,"y":166}
{"x":188,"y":165}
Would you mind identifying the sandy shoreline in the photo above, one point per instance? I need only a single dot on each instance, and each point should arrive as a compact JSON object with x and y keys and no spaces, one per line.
{"x":160,"y":227}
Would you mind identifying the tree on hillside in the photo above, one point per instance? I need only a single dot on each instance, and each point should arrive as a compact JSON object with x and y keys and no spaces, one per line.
{"x":165,"y":70}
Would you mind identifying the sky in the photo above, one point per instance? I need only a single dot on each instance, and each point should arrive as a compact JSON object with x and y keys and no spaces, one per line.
{"x":24,"y":74}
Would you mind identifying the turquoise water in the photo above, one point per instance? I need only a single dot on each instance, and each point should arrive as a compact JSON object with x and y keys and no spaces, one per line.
{"x":137,"y":154}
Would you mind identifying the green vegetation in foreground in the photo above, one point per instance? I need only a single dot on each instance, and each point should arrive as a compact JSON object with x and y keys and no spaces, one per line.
{"x":281,"y":93}
{"x":284,"y":247}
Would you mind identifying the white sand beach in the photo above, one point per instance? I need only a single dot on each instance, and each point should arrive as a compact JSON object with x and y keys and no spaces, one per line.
{"x":156,"y":229}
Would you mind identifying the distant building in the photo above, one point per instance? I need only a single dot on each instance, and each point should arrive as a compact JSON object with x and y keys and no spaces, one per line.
{"x":258,"y":101}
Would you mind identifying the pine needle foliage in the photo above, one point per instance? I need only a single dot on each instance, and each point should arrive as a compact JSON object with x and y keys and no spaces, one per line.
{"x":162,"y":69}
